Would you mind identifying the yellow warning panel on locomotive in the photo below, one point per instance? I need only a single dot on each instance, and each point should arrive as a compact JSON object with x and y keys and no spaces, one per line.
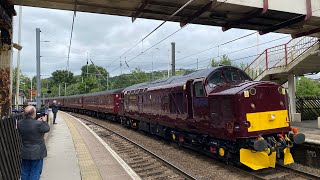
{"x":267,"y":120}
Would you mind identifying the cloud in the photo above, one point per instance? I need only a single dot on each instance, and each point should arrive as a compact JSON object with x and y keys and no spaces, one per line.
{"x":104,"y":38}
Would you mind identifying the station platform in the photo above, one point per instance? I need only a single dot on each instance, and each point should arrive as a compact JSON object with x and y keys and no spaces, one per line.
{"x":76,"y":152}
{"x":310,"y":129}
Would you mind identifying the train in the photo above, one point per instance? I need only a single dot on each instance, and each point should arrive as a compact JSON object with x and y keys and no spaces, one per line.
{"x":219,"y":111}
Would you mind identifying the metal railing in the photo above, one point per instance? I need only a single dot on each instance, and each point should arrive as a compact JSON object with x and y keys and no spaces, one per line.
{"x":10,"y":143}
{"x":280,"y":56}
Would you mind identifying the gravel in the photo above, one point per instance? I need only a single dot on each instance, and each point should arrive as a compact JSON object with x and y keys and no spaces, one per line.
{"x":198,"y":165}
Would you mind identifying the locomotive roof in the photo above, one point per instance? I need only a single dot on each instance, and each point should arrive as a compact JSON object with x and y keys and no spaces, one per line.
{"x":182,"y":79}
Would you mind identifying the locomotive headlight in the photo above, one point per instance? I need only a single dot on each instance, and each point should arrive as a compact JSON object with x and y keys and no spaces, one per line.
{"x":253,"y":91}
{"x":236,"y":126}
{"x":281,"y":103}
{"x":247,"y":124}
{"x":253,"y":105}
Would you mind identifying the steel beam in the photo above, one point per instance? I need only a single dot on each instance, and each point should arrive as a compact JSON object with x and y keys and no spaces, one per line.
{"x":306,"y":33}
{"x":248,"y":16}
{"x":283,"y":24}
{"x":140,"y":9}
{"x":198,"y":13}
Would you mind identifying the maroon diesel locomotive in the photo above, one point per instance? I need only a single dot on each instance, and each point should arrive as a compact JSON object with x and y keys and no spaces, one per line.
{"x":218,"y":111}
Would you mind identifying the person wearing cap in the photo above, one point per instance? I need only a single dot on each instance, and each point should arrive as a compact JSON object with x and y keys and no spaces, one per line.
{"x":33,"y":148}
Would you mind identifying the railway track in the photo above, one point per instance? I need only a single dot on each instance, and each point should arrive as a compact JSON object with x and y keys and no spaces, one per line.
{"x":144,"y":162}
{"x":148,"y":165}
{"x":282,"y":172}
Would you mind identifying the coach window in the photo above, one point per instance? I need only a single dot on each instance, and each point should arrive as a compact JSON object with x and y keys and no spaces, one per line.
{"x":198,"y":89}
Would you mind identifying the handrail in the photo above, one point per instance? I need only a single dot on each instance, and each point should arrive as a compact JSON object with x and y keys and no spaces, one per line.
{"x":280,"y":55}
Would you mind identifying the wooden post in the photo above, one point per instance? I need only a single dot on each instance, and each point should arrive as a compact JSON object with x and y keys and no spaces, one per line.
{"x":5,"y":80}
{"x":6,"y":62}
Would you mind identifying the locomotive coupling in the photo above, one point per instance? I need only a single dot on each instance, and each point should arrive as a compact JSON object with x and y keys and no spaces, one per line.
{"x":265,"y":152}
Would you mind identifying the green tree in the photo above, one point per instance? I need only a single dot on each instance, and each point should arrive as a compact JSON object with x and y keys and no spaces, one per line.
{"x":308,"y":87}
{"x":93,"y":71}
{"x":140,"y":76}
{"x":224,"y":60}
{"x":62,"y":76}
{"x":214,"y":63}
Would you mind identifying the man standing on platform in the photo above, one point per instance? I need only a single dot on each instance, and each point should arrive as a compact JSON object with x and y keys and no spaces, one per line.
{"x":33,"y":148}
{"x":54,"y":108}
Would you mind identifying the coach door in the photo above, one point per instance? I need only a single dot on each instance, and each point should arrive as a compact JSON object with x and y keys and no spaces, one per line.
{"x":200,"y":101}
{"x":189,"y":98}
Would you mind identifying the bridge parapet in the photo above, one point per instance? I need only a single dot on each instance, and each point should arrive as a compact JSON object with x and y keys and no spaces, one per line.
{"x":280,"y":56}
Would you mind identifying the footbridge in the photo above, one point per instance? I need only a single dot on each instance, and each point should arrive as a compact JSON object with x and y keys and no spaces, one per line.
{"x":281,"y":63}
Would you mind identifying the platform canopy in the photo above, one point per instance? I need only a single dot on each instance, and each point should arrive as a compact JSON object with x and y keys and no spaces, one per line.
{"x":296,"y":17}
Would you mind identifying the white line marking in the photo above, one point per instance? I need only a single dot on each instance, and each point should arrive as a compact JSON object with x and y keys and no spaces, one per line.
{"x":125,"y":166}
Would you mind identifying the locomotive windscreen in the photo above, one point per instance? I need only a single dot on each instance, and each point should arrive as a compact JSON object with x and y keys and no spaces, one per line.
{"x":233,"y":75}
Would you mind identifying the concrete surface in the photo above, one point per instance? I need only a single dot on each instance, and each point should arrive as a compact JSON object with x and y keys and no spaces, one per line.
{"x":310,"y":129}
{"x":296,"y":117}
{"x":109,"y":167}
{"x":62,"y":162}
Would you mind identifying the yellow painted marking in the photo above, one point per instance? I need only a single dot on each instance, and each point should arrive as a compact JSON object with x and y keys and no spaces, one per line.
{"x":88,"y":168}
{"x":257,"y":160}
{"x":288,"y":159}
{"x":267,"y":120}
{"x":221,"y":152}
{"x":246,"y":94}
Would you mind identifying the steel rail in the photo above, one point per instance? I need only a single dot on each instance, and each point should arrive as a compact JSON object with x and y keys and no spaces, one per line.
{"x":165,"y":162}
{"x":254,"y":174}
{"x":297,"y":172}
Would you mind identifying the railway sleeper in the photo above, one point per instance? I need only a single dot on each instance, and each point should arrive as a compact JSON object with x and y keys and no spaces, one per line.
{"x":141,"y":165}
{"x":156,"y":172}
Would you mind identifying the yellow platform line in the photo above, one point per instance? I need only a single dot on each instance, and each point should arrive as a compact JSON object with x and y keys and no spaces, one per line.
{"x":88,"y":168}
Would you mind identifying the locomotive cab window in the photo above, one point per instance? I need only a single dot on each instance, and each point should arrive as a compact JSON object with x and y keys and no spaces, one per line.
{"x":216,"y":78}
{"x":234,"y":75}
{"x":198,"y":89}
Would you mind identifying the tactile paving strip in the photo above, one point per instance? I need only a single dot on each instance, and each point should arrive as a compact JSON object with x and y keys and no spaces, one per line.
{"x":88,"y":168}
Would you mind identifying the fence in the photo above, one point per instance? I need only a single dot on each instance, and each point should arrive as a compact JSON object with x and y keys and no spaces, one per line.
{"x":10,"y":142}
{"x":309,"y":107}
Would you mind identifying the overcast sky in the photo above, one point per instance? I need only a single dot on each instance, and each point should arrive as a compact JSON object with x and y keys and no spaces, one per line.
{"x":104,"y":38}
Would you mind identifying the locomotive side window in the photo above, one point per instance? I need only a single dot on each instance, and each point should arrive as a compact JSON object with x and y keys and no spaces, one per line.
{"x":198,"y":89}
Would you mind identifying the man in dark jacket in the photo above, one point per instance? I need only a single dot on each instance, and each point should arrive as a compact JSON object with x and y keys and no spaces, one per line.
{"x":33,"y":148}
{"x":54,"y":108}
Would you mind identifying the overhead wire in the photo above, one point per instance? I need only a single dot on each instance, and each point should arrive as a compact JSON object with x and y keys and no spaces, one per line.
{"x":228,"y":42}
{"x":175,"y":13}
{"x":166,"y":38}
{"x":246,"y":48}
